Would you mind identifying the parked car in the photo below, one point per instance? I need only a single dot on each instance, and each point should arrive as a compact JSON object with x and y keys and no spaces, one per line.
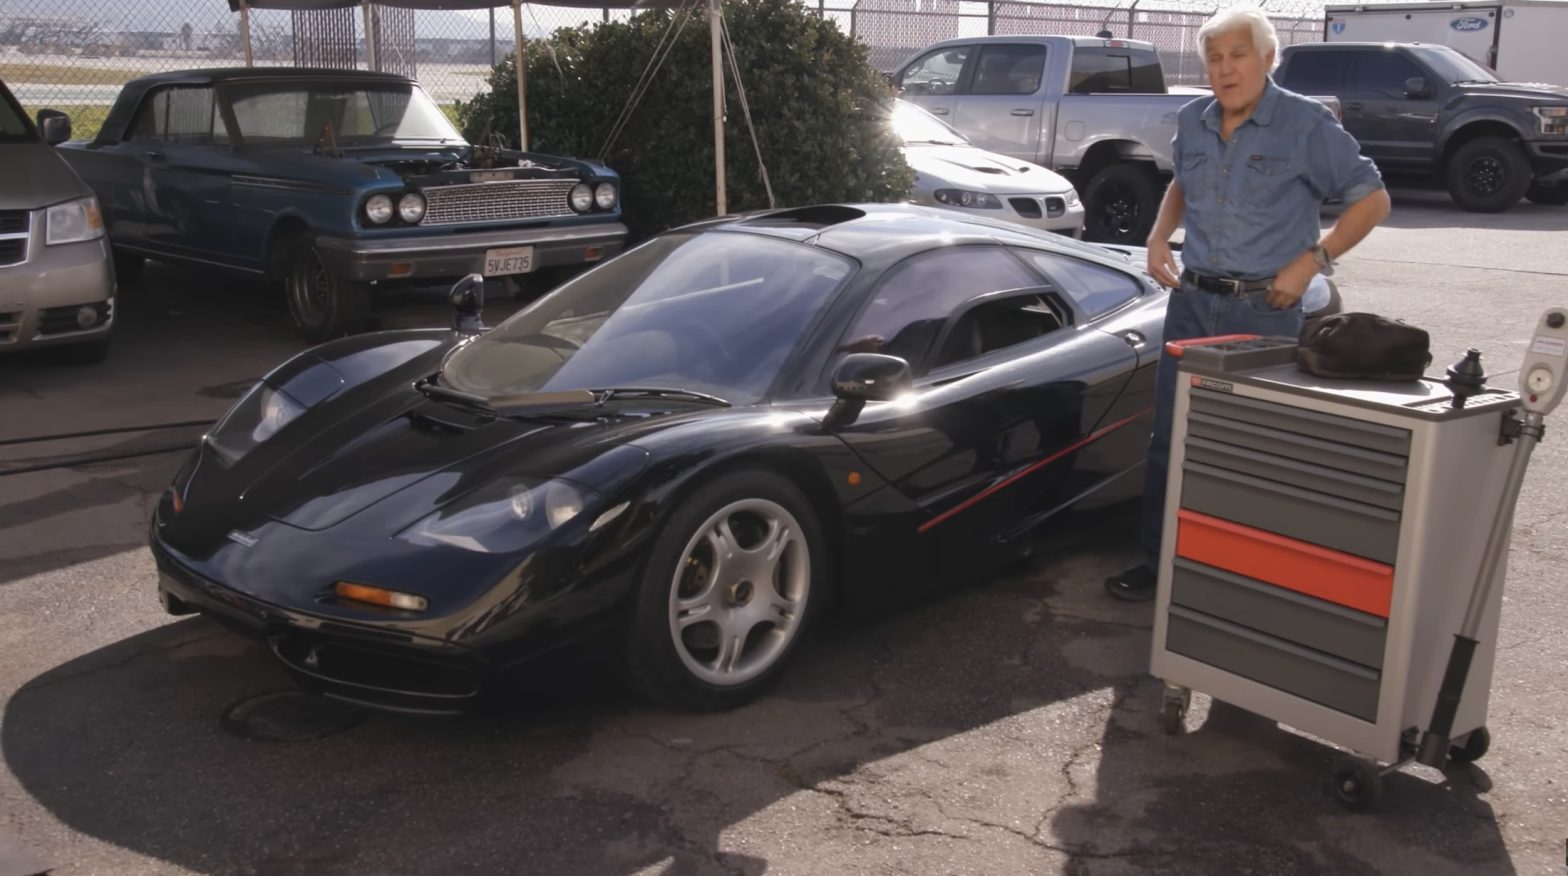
{"x":951,"y":172}
{"x":1429,"y":112}
{"x":1516,"y":38}
{"x":57,"y":280}
{"x":336,"y":182}
{"x":1096,"y":110}
{"x":693,"y":448}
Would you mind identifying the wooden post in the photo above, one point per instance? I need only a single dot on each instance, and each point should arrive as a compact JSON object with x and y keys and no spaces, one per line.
{"x":370,"y":37}
{"x":250,"y":60}
{"x":718,"y":107}
{"x":522,"y":79}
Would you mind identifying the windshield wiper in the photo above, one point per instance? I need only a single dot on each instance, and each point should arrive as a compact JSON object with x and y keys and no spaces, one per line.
{"x":656,"y":392}
{"x":432,"y":390}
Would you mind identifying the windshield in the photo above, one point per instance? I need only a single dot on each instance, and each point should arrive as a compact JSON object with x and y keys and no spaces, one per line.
{"x":716,"y":313}
{"x":273,"y":113}
{"x":1451,"y":66}
{"x":915,"y":125}
{"x":13,"y":122}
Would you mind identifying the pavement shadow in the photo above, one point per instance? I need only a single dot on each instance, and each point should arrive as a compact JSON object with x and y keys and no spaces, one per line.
{"x":1424,"y":208}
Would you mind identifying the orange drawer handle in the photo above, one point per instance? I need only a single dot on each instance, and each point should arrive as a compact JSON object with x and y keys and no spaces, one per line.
{"x":1314,"y":570}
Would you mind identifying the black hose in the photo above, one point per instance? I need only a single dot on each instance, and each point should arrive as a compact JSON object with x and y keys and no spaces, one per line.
{"x":64,"y":435}
{"x":75,"y":461}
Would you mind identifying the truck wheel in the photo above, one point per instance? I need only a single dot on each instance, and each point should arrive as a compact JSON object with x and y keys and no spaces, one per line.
{"x":1488,"y":175}
{"x":324,"y":306}
{"x":1553,"y":195}
{"x":1120,"y":203}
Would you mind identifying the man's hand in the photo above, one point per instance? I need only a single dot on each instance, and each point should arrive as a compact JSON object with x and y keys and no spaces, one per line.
{"x":1162,"y":265}
{"x":1291,"y":283}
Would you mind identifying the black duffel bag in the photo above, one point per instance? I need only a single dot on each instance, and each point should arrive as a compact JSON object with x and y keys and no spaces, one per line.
{"x":1363,"y":346}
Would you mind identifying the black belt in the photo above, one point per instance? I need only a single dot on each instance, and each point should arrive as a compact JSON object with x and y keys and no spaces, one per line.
{"x":1224,"y":285}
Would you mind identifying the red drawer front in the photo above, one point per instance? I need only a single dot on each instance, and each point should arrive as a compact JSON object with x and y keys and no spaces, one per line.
{"x":1316,"y":571}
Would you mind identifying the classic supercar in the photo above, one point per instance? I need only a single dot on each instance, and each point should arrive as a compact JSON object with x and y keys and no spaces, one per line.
{"x":697,"y":446}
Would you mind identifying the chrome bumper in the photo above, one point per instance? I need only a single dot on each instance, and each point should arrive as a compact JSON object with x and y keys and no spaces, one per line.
{"x":446,"y":257}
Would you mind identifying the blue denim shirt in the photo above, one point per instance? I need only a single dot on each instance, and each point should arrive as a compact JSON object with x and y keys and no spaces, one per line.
{"x":1252,"y":204}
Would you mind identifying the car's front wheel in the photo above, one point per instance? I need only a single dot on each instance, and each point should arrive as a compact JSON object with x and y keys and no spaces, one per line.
{"x":728,"y":593}
{"x":324,"y":306}
{"x":1488,"y":175}
{"x":1120,"y":203}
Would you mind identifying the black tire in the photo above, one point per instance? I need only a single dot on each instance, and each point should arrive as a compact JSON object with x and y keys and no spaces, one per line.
{"x":1488,"y":175}
{"x":128,"y":269}
{"x":1120,"y":203}
{"x":1477,"y":744}
{"x":323,"y":305}
{"x":667,"y":670}
{"x":1357,"y":785}
{"x":1555,"y":195}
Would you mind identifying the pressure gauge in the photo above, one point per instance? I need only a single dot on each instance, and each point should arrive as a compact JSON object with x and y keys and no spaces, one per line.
{"x":1539,"y":381}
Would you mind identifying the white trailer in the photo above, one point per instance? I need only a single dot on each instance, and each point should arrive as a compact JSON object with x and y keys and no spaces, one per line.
{"x":1521,"y":40}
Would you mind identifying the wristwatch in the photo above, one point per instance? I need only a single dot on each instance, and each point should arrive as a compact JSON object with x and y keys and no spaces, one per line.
{"x":1325,"y":264}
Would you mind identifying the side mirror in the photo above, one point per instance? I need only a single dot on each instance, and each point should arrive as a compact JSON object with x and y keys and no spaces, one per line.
{"x":55,"y":126}
{"x":864,"y":377}
{"x":1416,"y":88}
{"x":468,"y":303}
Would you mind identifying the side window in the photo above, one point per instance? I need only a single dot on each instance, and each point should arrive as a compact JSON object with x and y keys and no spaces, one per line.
{"x":1097,"y":71}
{"x":175,"y":115}
{"x":1009,"y":69}
{"x":1147,"y":76}
{"x":1313,"y":72}
{"x":1381,"y":71}
{"x":936,"y":73}
{"x":915,"y":299}
{"x":1096,"y":289}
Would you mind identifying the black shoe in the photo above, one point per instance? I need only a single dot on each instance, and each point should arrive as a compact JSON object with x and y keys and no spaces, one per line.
{"x":1134,"y":585}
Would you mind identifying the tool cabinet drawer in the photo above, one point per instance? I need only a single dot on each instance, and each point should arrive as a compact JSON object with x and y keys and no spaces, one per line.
{"x":1267,"y":608}
{"x":1296,"y":670}
{"x":1306,"y":515}
{"x":1296,"y":472}
{"x":1277,"y":418}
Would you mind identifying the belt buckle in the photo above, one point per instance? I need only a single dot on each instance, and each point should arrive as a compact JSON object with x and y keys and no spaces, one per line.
{"x":1233,"y":285}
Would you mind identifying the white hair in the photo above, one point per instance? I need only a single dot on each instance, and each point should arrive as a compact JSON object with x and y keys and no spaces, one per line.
{"x":1264,"y":39}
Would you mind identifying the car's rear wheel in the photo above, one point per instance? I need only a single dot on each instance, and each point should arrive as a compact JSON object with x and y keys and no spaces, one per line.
{"x":1554,"y":195}
{"x":1120,"y":203}
{"x":728,"y":593}
{"x":324,"y":306}
{"x":1488,"y":175}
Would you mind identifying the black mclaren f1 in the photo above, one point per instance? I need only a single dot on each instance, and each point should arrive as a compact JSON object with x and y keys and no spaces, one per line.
{"x":696,"y":448}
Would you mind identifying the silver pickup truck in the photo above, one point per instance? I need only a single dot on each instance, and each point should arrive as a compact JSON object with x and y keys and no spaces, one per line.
{"x":1095,"y":110}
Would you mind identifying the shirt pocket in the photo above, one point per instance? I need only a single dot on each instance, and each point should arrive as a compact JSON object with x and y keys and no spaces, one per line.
{"x":1195,"y":176}
{"x":1267,"y":180}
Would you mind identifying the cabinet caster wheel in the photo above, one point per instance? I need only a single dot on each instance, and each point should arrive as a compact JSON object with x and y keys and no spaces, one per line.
{"x":1173,"y":718}
{"x":1477,"y":744}
{"x":1357,"y":784}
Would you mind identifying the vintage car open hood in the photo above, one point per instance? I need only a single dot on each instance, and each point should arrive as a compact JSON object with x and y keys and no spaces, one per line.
{"x":36,"y":176}
{"x":976,"y":169}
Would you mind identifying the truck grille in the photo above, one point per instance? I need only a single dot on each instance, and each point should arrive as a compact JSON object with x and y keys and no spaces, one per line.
{"x":13,"y":236}
{"x":489,"y":202}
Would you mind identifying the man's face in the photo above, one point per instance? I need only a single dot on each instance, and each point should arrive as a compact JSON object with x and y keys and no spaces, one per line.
{"x":1238,"y":72}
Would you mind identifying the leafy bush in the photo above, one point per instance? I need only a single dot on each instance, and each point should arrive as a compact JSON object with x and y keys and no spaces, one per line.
{"x":818,"y":106}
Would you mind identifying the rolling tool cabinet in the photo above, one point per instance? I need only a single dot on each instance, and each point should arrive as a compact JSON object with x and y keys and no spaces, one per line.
{"x":1322,"y":539}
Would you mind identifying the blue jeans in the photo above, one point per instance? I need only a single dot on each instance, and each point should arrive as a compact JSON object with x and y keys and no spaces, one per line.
{"x":1193,"y":313}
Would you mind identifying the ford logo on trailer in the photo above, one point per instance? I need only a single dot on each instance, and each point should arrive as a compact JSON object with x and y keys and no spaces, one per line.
{"x":1338,"y":26}
{"x":1468,"y":23}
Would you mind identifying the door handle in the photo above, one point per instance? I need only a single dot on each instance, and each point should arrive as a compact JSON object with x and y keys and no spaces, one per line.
{"x":1023,"y":112}
{"x":938,"y":111}
{"x":156,"y":156}
{"x":1133,"y":338}
{"x":1355,"y":105}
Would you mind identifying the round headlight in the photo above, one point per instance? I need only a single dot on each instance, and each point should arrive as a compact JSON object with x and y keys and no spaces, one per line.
{"x":604,"y":196}
{"x":411,"y":207}
{"x":582,"y":198}
{"x":379,"y":209}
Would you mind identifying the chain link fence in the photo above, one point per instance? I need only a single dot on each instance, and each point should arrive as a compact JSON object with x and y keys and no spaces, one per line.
{"x":74,"y":55}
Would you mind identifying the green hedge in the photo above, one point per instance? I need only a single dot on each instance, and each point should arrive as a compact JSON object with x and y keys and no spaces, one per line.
{"x":818,"y":106}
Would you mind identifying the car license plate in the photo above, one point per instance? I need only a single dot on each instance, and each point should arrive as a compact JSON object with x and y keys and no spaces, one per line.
{"x":511,"y":260}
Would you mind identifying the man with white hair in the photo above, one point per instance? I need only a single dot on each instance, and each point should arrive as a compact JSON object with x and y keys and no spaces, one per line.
{"x":1253,"y":164}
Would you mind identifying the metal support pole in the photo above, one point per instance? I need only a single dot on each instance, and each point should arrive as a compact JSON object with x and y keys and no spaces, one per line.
{"x":718,"y":107}
{"x":522,"y":79}
{"x":250,"y":60}
{"x":492,"y":36}
{"x":370,"y":37}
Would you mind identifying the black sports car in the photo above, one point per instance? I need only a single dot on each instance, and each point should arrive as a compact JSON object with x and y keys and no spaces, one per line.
{"x":697,"y":446}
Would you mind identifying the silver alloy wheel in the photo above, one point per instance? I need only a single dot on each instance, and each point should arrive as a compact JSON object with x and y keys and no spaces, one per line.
{"x":739,"y":592}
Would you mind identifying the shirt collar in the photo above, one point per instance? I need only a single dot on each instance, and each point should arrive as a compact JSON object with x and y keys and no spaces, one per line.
{"x":1262,"y":114}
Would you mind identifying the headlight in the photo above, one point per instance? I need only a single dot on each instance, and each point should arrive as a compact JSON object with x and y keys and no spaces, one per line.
{"x":973,"y":200}
{"x":258,"y":416}
{"x":379,"y":209}
{"x":73,"y":222}
{"x":1071,"y":197}
{"x":582,"y":198}
{"x":1553,"y":119}
{"x":501,"y":519}
{"x":604,"y":195}
{"x":412,"y":208}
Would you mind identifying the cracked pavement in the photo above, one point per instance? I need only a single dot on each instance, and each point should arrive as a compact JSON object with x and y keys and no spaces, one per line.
{"x":1008,"y":726}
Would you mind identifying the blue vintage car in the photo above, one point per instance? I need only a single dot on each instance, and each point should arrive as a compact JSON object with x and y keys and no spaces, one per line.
{"x":336,"y":182}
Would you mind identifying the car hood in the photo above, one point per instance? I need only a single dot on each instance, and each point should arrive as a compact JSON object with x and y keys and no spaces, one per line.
{"x":976,"y":169}
{"x":36,"y":176}
{"x":1531,"y":90}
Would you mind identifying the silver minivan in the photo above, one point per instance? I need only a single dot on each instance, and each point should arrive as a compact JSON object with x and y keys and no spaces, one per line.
{"x":56,"y":270}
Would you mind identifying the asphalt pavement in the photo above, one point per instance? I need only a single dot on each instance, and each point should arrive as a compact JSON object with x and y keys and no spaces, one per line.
{"x":1009,"y":726}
